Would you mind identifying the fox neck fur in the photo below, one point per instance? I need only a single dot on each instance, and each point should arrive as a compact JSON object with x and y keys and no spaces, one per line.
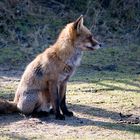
{"x":66,"y":48}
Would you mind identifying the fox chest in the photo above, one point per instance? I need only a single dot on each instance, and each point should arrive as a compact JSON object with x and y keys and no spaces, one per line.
{"x":71,"y":66}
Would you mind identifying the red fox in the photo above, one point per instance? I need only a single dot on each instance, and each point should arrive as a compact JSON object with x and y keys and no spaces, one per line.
{"x":44,"y":81}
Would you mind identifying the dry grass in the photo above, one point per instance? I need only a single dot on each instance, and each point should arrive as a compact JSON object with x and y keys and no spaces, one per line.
{"x":96,"y":97}
{"x":96,"y":107}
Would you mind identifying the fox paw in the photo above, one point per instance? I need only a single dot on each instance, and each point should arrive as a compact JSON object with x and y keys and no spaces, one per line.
{"x":60,"y":117}
{"x":51,"y":111}
{"x":68,"y":113}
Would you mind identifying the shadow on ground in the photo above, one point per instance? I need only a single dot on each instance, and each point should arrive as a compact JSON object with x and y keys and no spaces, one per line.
{"x":98,"y":112}
{"x":85,"y":109}
{"x":80,"y":121}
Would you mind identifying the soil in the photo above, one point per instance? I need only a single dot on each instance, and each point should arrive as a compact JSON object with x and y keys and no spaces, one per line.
{"x":83,"y":125}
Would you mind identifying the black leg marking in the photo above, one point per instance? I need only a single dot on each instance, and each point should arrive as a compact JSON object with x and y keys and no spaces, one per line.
{"x":64,"y":108}
{"x":51,"y":111}
{"x":55,"y":98}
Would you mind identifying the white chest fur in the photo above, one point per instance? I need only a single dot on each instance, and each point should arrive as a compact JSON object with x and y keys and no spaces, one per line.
{"x":73,"y":62}
{"x":75,"y":59}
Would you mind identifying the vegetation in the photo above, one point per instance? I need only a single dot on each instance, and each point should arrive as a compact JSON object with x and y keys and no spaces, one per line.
{"x":102,"y":88}
{"x":34,"y":25}
{"x":106,"y":83}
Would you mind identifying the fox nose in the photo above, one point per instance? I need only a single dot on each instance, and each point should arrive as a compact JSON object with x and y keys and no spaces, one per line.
{"x":100,"y":44}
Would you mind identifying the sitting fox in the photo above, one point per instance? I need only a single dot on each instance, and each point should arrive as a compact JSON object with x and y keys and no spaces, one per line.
{"x":44,"y":81}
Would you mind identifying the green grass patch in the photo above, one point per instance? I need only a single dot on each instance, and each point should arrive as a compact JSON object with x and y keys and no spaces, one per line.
{"x":96,"y":96}
{"x":124,"y":58}
{"x":11,"y":56}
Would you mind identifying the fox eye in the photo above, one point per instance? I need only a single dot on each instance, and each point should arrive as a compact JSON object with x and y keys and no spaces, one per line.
{"x":89,"y":37}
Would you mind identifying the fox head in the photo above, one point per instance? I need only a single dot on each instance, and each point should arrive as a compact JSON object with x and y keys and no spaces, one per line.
{"x":76,"y":35}
{"x":83,"y":37}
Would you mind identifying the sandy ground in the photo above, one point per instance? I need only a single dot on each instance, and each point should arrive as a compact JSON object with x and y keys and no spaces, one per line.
{"x":88,"y":122}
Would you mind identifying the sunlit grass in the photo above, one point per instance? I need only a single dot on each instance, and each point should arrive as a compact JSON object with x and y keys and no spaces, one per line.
{"x":119,"y":92}
{"x":96,"y":97}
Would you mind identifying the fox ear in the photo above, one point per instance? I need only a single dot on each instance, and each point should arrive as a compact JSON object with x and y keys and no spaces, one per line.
{"x":78,"y":24}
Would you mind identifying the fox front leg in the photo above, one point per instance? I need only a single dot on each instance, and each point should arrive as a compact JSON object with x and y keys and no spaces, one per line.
{"x":55,"y":99}
{"x":62,"y":92}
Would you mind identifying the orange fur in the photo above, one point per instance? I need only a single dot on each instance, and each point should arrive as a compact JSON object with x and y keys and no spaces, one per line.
{"x":43,"y":83}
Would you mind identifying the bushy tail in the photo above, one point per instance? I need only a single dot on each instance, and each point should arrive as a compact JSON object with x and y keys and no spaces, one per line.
{"x":7,"y":107}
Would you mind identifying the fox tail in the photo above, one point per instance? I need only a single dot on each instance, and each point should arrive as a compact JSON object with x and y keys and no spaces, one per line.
{"x":8,"y":107}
